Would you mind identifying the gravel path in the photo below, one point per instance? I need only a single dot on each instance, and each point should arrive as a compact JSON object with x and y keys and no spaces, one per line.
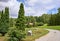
{"x":53,"y":35}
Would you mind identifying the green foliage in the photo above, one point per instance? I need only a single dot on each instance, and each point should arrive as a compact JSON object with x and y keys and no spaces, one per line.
{"x":18,"y":33}
{"x":55,"y":19}
{"x":45,"y":18}
{"x":38,"y":19}
{"x":52,"y":19}
{"x":20,"y":23}
{"x":58,"y":17}
{"x":4,"y":23}
{"x":0,"y":13}
{"x":11,"y":22}
{"x":12,"y":39}
{"x":30,"y":21}
{"x":51,"y":27}
{"x":15,"y":34}
{"x":40,"y":24}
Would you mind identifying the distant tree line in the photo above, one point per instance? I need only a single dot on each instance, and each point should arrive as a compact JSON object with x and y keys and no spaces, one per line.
{"x":50,"y":19}
{"x":55,"y":19}
{"x":38,"y":20}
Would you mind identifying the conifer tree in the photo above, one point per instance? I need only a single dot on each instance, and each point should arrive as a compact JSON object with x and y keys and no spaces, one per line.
{"x":2,"y":30}
{"x":4,"y":21}
{"x":58,"y":17}
{"x":20,"y":24}
{"x":6,"y":16}
{"x":18,"y":33}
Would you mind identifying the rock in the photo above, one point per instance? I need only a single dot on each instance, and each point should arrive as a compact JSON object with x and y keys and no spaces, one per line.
{"x":29,"y":33}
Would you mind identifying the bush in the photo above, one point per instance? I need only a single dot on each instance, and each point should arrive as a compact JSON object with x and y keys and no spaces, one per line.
{"x":16,"y":35}
{"x":12,"y":39}
{"x":40,"y":24}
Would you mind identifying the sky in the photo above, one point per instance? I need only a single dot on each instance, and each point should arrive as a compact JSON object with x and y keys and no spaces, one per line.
{"x":31,"y":7}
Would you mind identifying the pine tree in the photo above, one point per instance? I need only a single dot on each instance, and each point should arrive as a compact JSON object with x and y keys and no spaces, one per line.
{"x":4,"y":22}
{"x":2,"y":29}
{"x":19,"y":32}
{"x":51,"y":20}
{"x":20,"y":24}
{"x":0,"y":14}
{"x":6,"y":16}
{"x":58,"y":17}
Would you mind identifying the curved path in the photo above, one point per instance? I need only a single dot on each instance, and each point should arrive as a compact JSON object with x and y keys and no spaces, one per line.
{"x":53,"y":35}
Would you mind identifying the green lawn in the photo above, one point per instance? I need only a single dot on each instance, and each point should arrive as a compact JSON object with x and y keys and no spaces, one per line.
{"x":51,"y":27}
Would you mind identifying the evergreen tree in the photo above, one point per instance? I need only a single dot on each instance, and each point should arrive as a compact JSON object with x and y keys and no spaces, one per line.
{"x":51,"y":20}
{"x":2,"y":31}
{"x":0,"y":13}
{"x":6,"y":15}
{"x":19,"y":32}
{"x":4,"y":22}
{"x":58,"y":17}
{"x":20,"y":24}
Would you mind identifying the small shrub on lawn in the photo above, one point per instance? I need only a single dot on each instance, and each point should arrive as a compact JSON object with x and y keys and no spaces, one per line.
{"x":40,"y":24}
{"x":16,"y":35}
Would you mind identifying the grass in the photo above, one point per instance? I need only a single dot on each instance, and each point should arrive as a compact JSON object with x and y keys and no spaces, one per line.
{"x":50,"y":27}
{"x":37,"y":32}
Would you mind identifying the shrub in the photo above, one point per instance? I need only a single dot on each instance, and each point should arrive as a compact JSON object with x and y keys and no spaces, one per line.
{"x":16,"y":35}
{"x":40,"y":24}
{"x":12,"y":39}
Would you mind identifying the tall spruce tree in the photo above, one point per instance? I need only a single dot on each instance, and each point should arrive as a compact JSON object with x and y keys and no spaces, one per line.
{"x":18,"y":33}
{"x":20,"y":24}
{"x":6,"y":16}
{"x":2,"y":30}
{"x":4,"y":22}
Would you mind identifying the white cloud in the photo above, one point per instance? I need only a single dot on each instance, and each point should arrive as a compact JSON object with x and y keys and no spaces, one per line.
{"x":40,"y":6}
{"x":32,"y":7}
{"x":29,"y":11}
{"x":13,"y":7}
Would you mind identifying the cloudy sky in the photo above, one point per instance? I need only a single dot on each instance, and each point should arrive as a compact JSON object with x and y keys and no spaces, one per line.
{"x":32,"y":7}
